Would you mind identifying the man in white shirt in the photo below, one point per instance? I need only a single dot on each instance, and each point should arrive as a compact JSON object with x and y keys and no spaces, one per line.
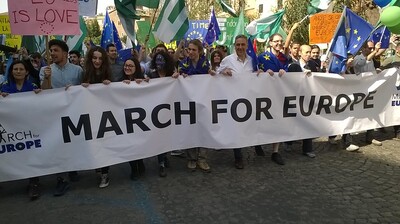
{"x":238,"y":62}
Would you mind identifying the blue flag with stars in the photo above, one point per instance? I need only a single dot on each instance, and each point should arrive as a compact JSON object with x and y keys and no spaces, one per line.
{"x":339,"y":43}
{"x":350,"y":36}
{"x":213,"y":31}
{"x":124,"y":54}
{"x":116,"y":39}
{"x":250,"y":51}
{"x":376,"y":36}
{"x":197,"y":30}
{"x":358,"y":31}
{"x":107,"y":36}
{"x":338,"y":64}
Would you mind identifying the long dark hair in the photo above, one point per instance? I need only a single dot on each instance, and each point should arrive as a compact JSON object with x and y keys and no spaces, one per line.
{"x":169,"y":66}
{"x":213,"y":64}
{"x":90,"y":71}
{"x":138,"y":74}
{"x":11,"y":78}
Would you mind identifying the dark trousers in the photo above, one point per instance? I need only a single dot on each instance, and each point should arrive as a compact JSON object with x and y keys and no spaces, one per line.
{"x":347,"y":140}
{"x":397,"y":131}
{"x":237,"y":153}
{"x":104,"y":170}
{"x":162,"y":158}
{"x":307,"y":145}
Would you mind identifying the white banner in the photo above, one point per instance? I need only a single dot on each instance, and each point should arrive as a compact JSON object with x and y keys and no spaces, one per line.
{"x":88,"y":8}
{"x":86,"y":128}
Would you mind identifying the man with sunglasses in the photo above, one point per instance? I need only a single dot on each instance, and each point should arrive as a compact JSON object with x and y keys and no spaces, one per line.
{"x":364,"y":63}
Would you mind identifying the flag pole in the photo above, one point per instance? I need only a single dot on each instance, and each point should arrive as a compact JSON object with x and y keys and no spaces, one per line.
{"x":151,"y":27}
{"x":383,"y":33}
{"x":47,"y":49}
{"x":305,"y":17}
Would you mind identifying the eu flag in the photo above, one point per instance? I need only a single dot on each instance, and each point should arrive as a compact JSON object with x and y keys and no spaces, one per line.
{"x":116,"y":39}
{"x":250,"y":51}
{"x":124,"y":54}
{"x":353,"y":31}
{"x":213,"y":31}
{"x":381,"y":34}
{"x":358,"y":31}
{"x":338,"y":64}
{"x":107,"y":36}
{"x":339,"y":43}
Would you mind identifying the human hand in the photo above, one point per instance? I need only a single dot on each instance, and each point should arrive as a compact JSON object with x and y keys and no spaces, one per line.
{"x":281,"y":72}
{"x":227,"y":72}
{"x":47,"y":72}
{"x":85,"y":84}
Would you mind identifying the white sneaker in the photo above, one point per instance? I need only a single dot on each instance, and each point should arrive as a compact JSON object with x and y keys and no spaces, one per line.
{"x":352,"y":148}
{"x":105,"y":181}
{"x":376,"y":142}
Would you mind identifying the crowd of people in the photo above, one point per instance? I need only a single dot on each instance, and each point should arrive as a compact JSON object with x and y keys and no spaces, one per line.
{"x":67,"y":68}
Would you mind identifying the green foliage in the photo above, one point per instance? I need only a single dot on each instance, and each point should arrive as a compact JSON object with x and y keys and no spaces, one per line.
{"x":94,"y":32}
{"x":199,"y":9}
{"x":296,"y":10}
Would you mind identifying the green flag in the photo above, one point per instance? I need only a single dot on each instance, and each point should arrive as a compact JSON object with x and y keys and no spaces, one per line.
{"x":264,"y":27}
{"x":227,"y":8}
{"x":316,"y":6}
{"x":126,"y":10}
{"x":143,"y":31}
{"x":172,"y":23}
{"x":34,"y":43}
{"x":153,"y":4}
{"x":239,"y":29}
{"x":75,"y":42}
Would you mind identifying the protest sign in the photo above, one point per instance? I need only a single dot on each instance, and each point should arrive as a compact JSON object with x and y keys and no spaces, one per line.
{"x":13,"y":41}
{"x":4,"y":25}
{"x":44,"y":17}
{"x":88,"y":8}
{"x":323,"y":26}
{"x":87,"y":128}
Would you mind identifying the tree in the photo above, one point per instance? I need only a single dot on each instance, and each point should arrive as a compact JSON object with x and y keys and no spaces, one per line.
{"x":199,"y":10}
{"x":364,"y":8}
{"x":296,"y":10}
{"x":94,"y":31}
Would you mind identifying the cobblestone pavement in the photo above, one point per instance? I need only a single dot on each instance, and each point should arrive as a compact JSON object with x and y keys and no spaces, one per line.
{"x":335,"y":187}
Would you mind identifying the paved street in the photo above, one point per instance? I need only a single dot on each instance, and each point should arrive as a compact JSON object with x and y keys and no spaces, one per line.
{"x":335,"y":187}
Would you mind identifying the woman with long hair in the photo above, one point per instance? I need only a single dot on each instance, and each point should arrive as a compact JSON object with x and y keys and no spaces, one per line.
{"x":162,"y":65}
{"x":97,"y":67}
{"x":98,"y":70}
{"x":215,"y":59}
{"x":132,"y":72}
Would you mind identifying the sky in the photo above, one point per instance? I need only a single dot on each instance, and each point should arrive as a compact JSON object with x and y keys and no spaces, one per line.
{"x":101,"y":5}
